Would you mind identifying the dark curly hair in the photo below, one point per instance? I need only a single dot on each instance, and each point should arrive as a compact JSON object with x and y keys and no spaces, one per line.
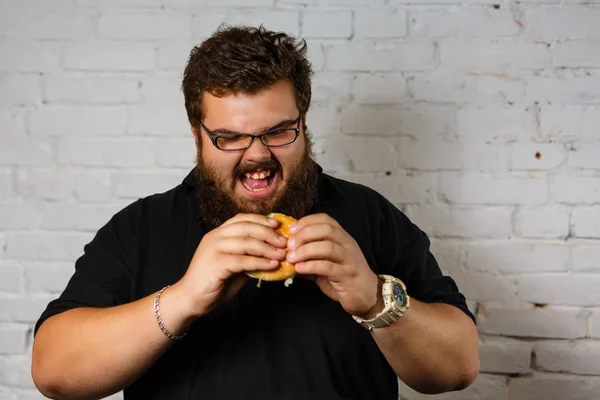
{"x":240,"y":59}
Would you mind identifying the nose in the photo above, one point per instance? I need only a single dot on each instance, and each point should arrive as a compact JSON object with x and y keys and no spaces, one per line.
{"x":257,"y":151}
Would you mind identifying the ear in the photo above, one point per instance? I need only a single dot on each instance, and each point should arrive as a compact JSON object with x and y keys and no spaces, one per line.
{"x":195,"y":133}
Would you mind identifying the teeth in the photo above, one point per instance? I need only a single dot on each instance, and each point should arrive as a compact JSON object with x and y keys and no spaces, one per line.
{"x":255,"y":175}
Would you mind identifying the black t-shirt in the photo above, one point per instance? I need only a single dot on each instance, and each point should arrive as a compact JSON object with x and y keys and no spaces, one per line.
{"x":272,"y":342}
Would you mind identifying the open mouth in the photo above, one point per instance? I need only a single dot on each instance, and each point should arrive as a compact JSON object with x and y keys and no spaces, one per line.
{"x":258,"y":181}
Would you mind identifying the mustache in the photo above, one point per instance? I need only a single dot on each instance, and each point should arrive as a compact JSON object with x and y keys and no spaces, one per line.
{"x":270,"y":164}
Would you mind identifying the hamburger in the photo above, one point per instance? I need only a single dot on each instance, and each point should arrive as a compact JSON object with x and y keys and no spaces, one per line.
{"x":286,"y":271}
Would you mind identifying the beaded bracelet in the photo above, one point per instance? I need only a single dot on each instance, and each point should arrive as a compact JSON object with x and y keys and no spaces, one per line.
{"x":159,"y":319}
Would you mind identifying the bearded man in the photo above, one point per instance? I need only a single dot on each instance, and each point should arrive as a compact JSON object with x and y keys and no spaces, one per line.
{"x":161,"y":304}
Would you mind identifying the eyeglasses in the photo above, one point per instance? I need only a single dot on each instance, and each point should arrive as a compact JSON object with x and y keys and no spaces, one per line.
{"x":275,"y":138}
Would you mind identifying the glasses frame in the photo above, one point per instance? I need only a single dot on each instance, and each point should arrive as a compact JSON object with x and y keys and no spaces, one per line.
{"x":213,"y":138}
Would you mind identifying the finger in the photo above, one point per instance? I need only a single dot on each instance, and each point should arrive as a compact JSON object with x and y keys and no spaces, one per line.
{"x":317,"y":232}
{"x":250,"y":246}
{"x":312,"y":219}
{"x":236,"y":264}
{"x":256,"y":218}
{"x":253,"y":230}
{"x":323,"y":268}
{"x":323,"y":250}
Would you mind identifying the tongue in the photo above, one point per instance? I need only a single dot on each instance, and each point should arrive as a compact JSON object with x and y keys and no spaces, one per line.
{"x":256,"y":183}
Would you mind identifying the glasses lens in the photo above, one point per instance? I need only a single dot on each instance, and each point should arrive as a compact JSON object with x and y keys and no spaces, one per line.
{"x":280,"y":137}
{"x":235,"y":142}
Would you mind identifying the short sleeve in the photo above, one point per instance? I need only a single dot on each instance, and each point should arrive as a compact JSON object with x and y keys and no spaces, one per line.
{"x":404,"y":252}
{"x":103,"y":274}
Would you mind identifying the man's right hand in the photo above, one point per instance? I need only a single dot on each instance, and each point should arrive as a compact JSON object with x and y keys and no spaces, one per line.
{"x":244,"y":243}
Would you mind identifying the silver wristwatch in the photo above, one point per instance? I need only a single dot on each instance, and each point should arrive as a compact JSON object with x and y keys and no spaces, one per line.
{"x":396,"y":302}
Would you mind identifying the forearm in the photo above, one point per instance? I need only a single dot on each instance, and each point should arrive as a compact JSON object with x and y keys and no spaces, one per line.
{"x":433,"y":348}
{"x":90,"y":353}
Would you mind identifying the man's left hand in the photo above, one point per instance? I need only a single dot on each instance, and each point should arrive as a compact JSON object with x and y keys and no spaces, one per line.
{"x":320,"y":247}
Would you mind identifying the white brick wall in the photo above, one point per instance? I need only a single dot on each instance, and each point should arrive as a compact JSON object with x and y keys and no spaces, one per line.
{"x":479,"y":118}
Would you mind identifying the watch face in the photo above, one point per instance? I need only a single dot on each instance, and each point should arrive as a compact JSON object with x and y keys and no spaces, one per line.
{"x":399,"y":295}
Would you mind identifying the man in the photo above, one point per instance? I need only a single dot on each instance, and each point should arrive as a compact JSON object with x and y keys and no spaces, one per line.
{"x":160,"y":304}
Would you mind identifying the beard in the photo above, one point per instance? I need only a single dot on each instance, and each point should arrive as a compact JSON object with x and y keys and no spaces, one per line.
{"x":215,"y":195}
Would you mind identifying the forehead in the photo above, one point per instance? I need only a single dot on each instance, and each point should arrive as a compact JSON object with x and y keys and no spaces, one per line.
{"x":243,"y":112}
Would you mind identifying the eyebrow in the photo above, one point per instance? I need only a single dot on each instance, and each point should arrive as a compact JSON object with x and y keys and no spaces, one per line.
{"x":276,"y":126}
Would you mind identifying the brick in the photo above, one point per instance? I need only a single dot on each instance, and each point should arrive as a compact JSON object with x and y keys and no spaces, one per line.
{"x":122,"y":3}
{"x":47,"y":25}
{"x":45,"y":277}
{"x":316,"y":55}
{"x":450,"y":221}
{"x":11,"y":276}
{"x":13,"y":339}
{"x":485,"y":387}
{"x":562,"y":22}
{"x":64,"y":184}
{"x":29,"y":56}
{"x":379,"y":88}
{"x":5,"y":184}
{"x":466,"y":88}
{"x":19,"y":215}
{"x":499,"y":55}
{"x":133,"y":25}
{"x":415,"y":120}
{"x":108,"y":56}
{"x":496,"y":123}
{"x":93,"y":90}
{"x":449,"y":254}
{"x":105,"y":153}
{"x":570,"y":122}
{"x":162,"y":89}
{"x":283,"y":21}
{"x":159,"y":120}
{"x":12,"y":122}
{"x":504,"y":355}
{"x":49,"y":246}
{"x":564,"y":90}
{"x":220,"y":3}
{"x":67,"y":120}
{"x":364,"y":55}
{"x":173,"y":56}
{"x":554,"y":387}
{"x":484,"y":287}
{"x":585,"y":256}
{"x":381,"y":23}
{"x":463,"y":22}
{"x":516,"y":256}
{"x":20,"y":90}
{"x":595,"y":323}
{"x":548,"y":289}
{"x":585,"y":155}
{"x":575,"y":189}
{"x":26,"y":310}
{"x":448,"y":154}
{"x":398,"y":187}
{"x":24,"y":151}
{"x":577,"y":54}
{"x":323,"y":119}
{"x":179,"y":152}
{"x":545,"y":222}
{"x":356,"y":155}
{"x":536,"y":156}
{"x":76,"y":216}
{"x":548,"y":322}
{"x":204,"y":24}
{"x":585,"y":222}
{"x":476,"y":188}
{"x":16,"y":372}
{"x":327,"y":24}
{"x":133,"y":185}
{"x":331,"y":88}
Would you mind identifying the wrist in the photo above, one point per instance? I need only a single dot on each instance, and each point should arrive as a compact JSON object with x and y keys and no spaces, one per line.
{"x":176,"y":310}
{"x":379,"y":303}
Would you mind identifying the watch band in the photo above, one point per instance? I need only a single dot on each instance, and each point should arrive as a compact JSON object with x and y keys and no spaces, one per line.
{"x":392,"y":311}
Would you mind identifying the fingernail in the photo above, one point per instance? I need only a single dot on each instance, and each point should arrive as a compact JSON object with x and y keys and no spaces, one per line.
{"x":291,"y":256}
{"x":282,"y":238}
{"x":272,"y":220}
{"x":281,"y":251}
{"x":291,"y":243}
{"x":293,"y":227}
{"x":274,"y":262}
